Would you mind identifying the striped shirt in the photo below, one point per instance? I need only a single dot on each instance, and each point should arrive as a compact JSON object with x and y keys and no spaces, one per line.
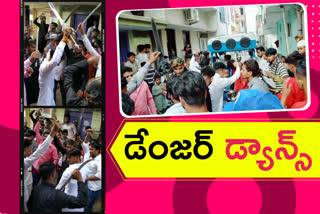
{"x":280,"y":70}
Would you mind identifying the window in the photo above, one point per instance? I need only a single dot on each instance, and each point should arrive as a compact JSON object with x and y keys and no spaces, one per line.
{"x":222,"y":15}
{"x":241,"y":11}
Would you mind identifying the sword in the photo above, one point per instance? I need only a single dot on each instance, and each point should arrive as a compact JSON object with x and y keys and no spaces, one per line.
{"x":37,"y":48}
{"x":72,"y":11}
{"x":63,"y":24}
{"x":90,"y":14}
{"x":162,"y":65}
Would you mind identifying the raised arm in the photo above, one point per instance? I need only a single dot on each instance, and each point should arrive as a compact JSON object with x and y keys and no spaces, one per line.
{"x":43,"y":147}
{"x":228,"y":81}
{"x":137,"y":79}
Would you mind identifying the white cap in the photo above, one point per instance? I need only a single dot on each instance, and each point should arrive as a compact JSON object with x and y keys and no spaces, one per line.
{"x":301,"y":43}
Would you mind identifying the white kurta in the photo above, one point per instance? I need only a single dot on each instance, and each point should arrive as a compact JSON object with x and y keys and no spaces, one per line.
{"x":28,"y":162}
{"x":72,"y":187}
{"x":47,"y":76}
{"x":216,"y":89}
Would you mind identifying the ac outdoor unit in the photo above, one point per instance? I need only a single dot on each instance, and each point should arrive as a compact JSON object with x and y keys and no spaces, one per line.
{"x":191,"y":16}
{"x":232,"y":43}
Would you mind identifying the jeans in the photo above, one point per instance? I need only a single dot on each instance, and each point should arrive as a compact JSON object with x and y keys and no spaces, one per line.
{"x":92,"y":197}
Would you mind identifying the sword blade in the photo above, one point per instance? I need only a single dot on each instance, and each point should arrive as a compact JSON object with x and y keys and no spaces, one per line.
{"x":54,"y":10}
{"x":156,"y":36}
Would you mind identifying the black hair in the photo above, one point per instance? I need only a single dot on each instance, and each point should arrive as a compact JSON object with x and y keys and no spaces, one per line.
{"x":55,"y":24}
{"x":80,"y":42}
{"x":271,"y":51}
{"x":95,"y":144}
{"x":260,"y":48}
{"x":127,"y":104}
{"x":98,"y":42}
{"x":219,"y":65}
{"x":230,"y":64}
{"x":293,"y":58}
{"x":30,"y":133}
{"x":67,"y":115}
{"x":253,"y":66}
{"x":188,"y":56}
{"x":124,"y":83}
{"x":301,"y":68}
{"x":206,"y":53}
{"x":130,"y":54}
{"x":48,"y":120}
{"x":125,"y":69}
{"x":147,"y":46}
{"x":26,"y":143}
{"x":45,"y":132}
{"x":65,"y":131}
{"x":156,"y":76}
{"x":70,"y":142}
{"x":192,"y":87}
{"x":96,"y":30}
{"x":46,"y":169}
{"x":282,"y":57}
{"x":227,"y":57}
{"x":87,"y":127}
{"x":31,"y":42}
{"x":74,"y":153}
{"x":140,"y":48}
{"x":207,"y":71}
{"x":170,"y":85}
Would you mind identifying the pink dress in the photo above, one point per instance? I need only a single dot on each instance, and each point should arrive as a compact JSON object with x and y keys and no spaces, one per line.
{"x":143,"y":100}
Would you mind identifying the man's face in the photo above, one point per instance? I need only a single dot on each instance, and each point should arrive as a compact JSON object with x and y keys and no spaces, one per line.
{"x":31,"y":48}
{"x":302,"y":50}
{"x":197,"y":57}
{"x":69,"y":147}
{"x":158,"y":81}
{"x":178,"y":70}
{"x":128,"y":75}
{"x":65,"y":135}
{"x":93,"y":151}
{"x":147,"y":50}
{"x":244,"y":72}
{"x":27,"y":151}
{"x":271,"y":58}
{"x":94,"y":34}
{"x":260,"y":53}
{"x":52,"y":27}
{"x":207,"y":79}
{"x":45,"y":135}
{"x":66,"y":119}
{"x":132,"y":59}
{"x":290,"y":67}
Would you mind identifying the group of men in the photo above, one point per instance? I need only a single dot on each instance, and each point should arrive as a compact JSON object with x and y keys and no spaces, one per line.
{"x":57,"y":60}
{"x":62,"y":172}
{"x":197,"y":84}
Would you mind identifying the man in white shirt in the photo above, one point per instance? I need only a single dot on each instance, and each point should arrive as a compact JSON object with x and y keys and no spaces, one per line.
{"x":142,"y":57}
{"x":47,"y":73}
{"x":30,"y":159}
{"x":263,"y":64}
{"x":90,"y":29}
{"x":194,"y":63}
{"x":74,"y":160}
{"x":132,"y":62}
{"x":69,"y":126}
{"x":94,"y":175}
{"x":219,"y":82}
{"x":90,"y":49}
{"x":172,"y":95}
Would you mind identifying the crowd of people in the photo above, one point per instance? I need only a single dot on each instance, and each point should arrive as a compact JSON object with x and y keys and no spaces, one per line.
{"x":200,"y":83}
{"x":56,"y":61}
{"x":62,"y":171}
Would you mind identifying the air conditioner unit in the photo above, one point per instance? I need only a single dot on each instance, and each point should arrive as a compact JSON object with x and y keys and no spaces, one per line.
{"x":232,"y":43}
{"x":191,"y":16}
